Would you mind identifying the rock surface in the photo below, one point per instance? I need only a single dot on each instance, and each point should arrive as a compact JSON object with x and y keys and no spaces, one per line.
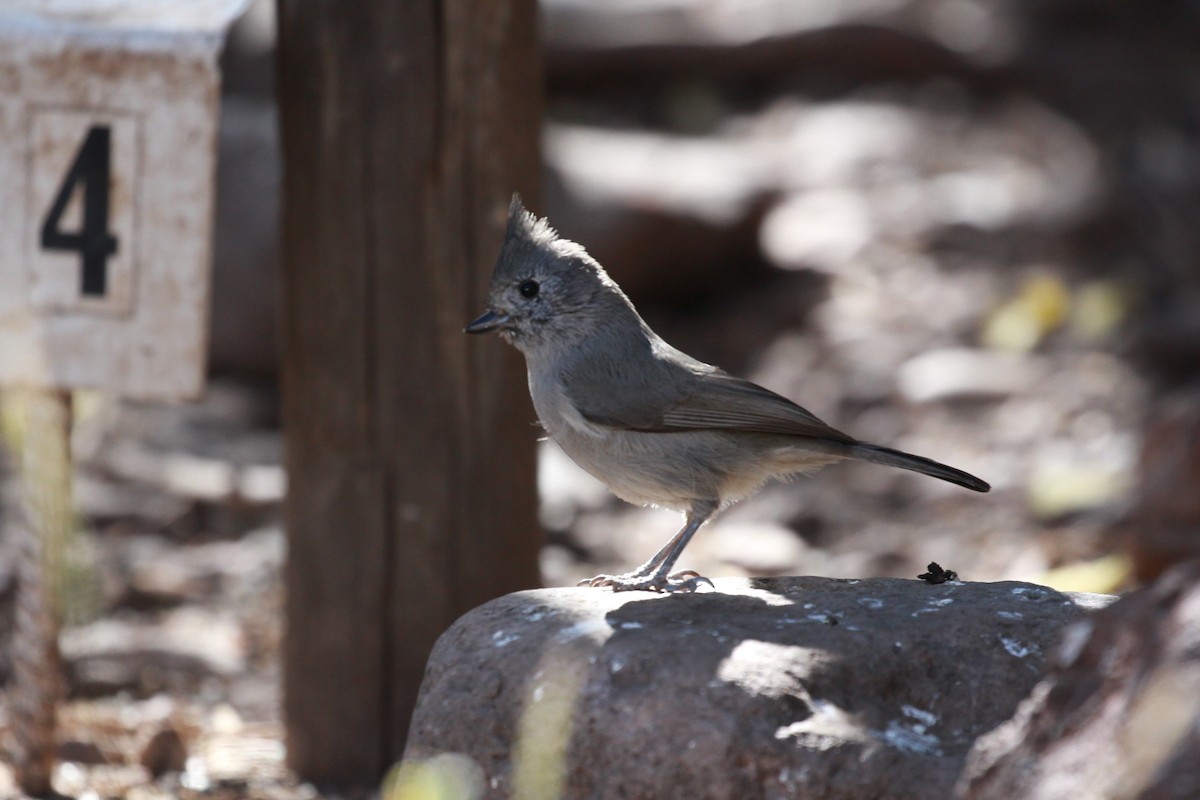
{"x":768,"y":688}
{"x":1118,"y":716}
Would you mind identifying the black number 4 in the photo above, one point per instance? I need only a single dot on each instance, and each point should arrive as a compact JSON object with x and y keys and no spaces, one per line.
{"x":93,"y":242}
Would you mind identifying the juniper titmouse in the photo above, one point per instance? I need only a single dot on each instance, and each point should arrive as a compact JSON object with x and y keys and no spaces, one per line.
{"x":656,"y":425}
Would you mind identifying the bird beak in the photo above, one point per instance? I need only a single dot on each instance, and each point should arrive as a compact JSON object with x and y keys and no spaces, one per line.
{"x":489,"y":321}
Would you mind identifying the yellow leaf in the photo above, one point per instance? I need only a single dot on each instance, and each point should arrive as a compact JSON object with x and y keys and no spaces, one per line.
{"x":1040,"y":306}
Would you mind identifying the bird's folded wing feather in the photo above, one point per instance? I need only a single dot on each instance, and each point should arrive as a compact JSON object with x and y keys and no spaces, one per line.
{"x":710,"y":401}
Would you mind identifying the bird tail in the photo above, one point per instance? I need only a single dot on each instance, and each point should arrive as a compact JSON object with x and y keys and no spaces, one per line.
{"x":926,"y":466}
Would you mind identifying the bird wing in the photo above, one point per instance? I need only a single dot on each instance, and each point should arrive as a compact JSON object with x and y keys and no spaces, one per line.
{"x":721,"y":401}
{"x":682,"y":394}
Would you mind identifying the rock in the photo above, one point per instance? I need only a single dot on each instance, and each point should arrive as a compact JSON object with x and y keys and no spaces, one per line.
{"x":956,"y":373}
{"x":1118,"y":716}
{"x":761,"y":688}
{"x":759,"y":547}
{"x":691,"y":33}
{"x":79,"y":751}
{"x":181,"y":651}
{"x":667,"y":215}
{"x":1161,"y":529}
{"x":164,"y":752}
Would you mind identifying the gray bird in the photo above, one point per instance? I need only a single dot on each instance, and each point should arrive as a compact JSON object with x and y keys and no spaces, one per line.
{"x":657,"y":426}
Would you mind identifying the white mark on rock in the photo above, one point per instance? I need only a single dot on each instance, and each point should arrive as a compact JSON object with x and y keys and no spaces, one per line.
{"x":787,"y":731}
{"x":1029,"y":593}
{"x":596,"y":629}
{"x":539,"y":692}
{"x":870,"y":602}
{"x":616,"y":666}
{"x":909,"y":738}
{"x":823,"y":706}
{"x":933,"y":605}
{"x":828,"y":727}
{"x":630,"y":625}
{"x":925,"y":718}
{"x":1010,"y":614}
{"x":500,"y":639}
{"x":758,"y":667}
{"x":1015,"y":648}
{"x":538,"y":613}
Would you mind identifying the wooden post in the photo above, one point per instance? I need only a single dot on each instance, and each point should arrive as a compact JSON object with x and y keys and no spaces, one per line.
{"x":406,"y":126}
{"x":37,"y":427}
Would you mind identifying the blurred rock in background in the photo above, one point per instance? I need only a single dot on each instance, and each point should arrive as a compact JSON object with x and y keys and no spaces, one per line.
{"x":1117,"y":715}
{"x":1164,"y":526}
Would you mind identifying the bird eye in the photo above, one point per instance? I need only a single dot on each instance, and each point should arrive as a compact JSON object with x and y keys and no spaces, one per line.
{"x":528,"y":289}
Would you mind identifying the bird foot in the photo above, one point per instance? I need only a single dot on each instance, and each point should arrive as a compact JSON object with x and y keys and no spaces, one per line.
{"x":682,"y":582}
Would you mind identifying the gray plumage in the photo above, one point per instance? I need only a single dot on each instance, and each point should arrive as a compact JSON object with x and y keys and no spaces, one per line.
{"x":656,"y":425}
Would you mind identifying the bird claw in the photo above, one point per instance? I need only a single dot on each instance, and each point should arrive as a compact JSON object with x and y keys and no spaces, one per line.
{"x":682,"y":582}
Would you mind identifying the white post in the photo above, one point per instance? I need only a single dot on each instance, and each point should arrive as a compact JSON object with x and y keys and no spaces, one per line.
{"x":108,"y":126}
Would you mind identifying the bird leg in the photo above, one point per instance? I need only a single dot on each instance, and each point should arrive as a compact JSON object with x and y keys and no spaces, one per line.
{"x":655,"y":575}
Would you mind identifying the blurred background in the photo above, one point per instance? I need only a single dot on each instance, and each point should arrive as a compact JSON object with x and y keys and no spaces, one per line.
{"x":963,"y":228}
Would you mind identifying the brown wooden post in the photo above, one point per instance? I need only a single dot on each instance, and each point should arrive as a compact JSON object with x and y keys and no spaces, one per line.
{"x":406,"y":126}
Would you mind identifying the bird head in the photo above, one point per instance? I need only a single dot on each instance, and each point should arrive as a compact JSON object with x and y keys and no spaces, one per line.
{"x":546,"y":291}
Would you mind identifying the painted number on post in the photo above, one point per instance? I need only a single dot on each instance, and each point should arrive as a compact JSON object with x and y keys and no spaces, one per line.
{"x":83,"y":176}
{"x":108,"y":134}
{"x":93,"y":242}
